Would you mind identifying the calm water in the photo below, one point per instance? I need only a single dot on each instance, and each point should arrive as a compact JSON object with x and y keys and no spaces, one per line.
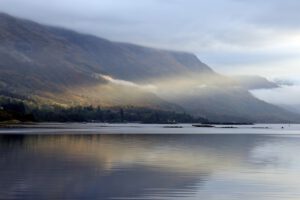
{"x":132,"y":166}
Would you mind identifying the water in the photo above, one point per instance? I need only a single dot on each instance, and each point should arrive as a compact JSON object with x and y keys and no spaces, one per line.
{"x":55,"y":164}
{"x":102,"y":128}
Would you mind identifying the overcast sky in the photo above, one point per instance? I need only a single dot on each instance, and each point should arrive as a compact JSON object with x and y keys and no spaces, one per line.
{"x":232,"y":36}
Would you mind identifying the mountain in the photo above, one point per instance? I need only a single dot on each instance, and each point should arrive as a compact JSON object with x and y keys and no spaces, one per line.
{"x":49,"y":65}
{"x":231,"y":105}
{"x":291,"y":108}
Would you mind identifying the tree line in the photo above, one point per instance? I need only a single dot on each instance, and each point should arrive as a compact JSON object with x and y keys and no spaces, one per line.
{"x":11,"y":109}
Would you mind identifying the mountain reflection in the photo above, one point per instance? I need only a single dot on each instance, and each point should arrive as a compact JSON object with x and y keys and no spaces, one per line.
{"x":119,"y":166}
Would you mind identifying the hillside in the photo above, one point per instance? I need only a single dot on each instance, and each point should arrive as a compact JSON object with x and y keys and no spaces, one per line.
{"x":53,"y":65}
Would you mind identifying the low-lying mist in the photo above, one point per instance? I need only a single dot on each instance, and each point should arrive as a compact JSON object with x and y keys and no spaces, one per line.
{"x":179,"y":85}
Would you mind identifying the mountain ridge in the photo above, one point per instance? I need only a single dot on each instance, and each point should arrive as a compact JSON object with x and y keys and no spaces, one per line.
{"x":60,"y":66}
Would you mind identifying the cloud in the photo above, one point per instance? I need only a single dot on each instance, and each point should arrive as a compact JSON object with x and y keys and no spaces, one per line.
{"x":148,"y":87}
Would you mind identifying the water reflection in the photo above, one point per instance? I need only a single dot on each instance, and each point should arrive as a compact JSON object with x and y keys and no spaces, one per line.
{"x":149,"y":167}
